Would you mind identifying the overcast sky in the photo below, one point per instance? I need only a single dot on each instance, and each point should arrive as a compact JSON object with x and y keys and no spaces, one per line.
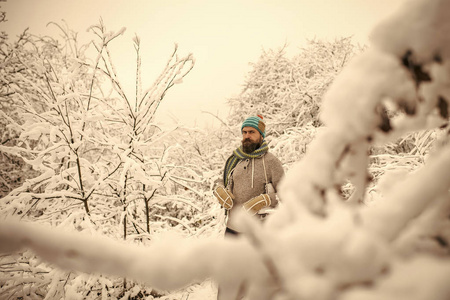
{"x":224,"y":36}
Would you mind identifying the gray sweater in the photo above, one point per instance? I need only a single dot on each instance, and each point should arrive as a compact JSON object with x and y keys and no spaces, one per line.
{"x":248,"y":180}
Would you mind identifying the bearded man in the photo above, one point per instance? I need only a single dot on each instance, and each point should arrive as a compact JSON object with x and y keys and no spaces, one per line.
{"x":251,"y":176}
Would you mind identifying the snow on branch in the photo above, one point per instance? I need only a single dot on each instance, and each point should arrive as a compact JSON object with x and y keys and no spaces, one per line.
{"x":355,"y":106}
{"x":169,"y":264}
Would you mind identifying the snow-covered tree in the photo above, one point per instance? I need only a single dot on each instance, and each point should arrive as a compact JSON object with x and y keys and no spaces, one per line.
{"x":93,"y":147}
{"x":288,"y":91}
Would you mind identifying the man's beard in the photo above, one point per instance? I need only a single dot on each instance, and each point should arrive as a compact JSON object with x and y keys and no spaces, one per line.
{"x":248,"y":146}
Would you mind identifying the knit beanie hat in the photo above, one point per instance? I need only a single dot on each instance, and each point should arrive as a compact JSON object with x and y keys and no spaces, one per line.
{"x":257,"y":123}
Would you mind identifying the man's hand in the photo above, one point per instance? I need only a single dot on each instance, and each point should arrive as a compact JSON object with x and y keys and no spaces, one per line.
{"x":255,"y":204}
{"x":224,"y":196}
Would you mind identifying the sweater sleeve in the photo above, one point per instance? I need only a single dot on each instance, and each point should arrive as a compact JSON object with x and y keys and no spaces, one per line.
{"x":276,"y":174}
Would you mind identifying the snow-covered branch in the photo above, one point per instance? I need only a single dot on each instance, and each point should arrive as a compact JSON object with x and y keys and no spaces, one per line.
{"x":169,"y":264}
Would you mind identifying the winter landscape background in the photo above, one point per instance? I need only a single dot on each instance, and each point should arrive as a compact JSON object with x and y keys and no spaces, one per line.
{"x":101,"y":202}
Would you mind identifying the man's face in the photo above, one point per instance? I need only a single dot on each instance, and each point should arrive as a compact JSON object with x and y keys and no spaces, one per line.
{"x":251,"y":139}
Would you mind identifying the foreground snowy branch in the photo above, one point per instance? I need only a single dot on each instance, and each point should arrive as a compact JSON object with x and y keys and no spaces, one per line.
{"x":412,"y":77}
{"x":168,"y":264}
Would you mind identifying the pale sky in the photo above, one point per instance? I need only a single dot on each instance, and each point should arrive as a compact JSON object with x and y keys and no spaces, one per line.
{"x":224,"y":36}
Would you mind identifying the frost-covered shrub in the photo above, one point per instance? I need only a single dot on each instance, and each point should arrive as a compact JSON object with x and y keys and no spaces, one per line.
{"x":288,"y":91}
{"x":17,"y":70}
{"x":92,"y":147}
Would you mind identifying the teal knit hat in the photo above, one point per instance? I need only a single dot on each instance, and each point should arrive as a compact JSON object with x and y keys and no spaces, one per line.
{"x":257,"y":123}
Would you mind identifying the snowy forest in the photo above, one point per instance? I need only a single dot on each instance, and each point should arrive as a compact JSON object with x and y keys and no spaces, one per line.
{"x":100,"y":202}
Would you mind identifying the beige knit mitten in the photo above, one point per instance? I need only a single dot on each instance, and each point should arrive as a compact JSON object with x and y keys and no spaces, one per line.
{"x":253,"y":205}
{"x":224,"y":196}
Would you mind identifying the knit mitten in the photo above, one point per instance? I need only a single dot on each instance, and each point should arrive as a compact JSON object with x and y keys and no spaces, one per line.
{"x":253,"y":205}
{"x":224,"y":196}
